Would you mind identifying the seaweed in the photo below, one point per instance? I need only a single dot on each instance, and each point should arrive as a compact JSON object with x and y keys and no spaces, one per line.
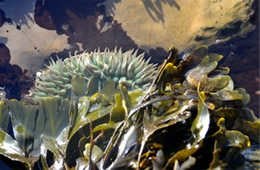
{"x":191,"y":117}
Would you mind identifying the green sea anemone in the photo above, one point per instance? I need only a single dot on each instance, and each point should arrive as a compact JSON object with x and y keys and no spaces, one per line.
{"x":96,"y":68}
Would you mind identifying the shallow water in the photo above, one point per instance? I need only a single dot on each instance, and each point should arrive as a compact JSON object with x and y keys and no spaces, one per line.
{"x":33,"y":30}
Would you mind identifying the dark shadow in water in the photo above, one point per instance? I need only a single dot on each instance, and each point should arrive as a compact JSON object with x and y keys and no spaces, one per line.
{"x":154,"y":8}
{"x":3,"y":18}
{"x":8,"y":164}
{"x":3,"y":39}
{"x":12,"y":78}
{"x":241,"y":55}
{"x":23,"y":8}
{"x":112,"y":7}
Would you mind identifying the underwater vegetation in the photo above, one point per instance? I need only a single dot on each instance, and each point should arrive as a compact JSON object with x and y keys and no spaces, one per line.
{"x":189,"y":117}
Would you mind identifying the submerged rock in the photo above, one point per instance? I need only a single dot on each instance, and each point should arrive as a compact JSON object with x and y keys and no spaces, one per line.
{"x":153,"y":24}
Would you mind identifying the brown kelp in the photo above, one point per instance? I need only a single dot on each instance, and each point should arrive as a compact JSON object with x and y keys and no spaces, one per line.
{"x":190,"y":117}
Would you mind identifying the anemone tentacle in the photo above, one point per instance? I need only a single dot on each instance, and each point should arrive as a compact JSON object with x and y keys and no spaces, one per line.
{"x":126,"y":68}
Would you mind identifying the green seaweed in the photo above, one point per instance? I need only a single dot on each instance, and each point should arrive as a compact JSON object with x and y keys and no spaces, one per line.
{"x":4,"y":118}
